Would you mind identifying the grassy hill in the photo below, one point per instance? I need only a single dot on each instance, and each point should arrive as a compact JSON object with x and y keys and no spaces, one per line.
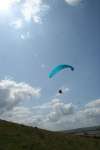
{"x":19,"y":137}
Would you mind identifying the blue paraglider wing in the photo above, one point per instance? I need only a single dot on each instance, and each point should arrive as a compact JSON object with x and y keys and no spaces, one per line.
{"x":59,"y":68}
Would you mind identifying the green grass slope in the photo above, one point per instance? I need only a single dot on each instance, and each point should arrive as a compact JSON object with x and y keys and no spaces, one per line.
{"x":19,"y":137}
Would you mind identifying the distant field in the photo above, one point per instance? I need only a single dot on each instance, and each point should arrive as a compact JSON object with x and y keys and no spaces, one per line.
{"x":20,"y":137}
{"x":88,"y":131}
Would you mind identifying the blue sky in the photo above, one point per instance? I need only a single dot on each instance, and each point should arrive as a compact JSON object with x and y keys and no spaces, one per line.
{"x":31,"y":44}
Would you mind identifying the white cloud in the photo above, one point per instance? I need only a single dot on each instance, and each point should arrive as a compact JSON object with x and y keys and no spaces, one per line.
{"x":25,"y":36}
{"x":22,"y":37}
{"x":95,"y":103}
{"x":37,"y":19}
{"x":18,"y":23}
{"x":54,"y":115}
{"x":29,"y":10}
{"x":59,"y":109}
{"x":12,"y":93}
{"x":73,"y":2}
{"x":33,"y":10}
{"x":43,"y":106}
{"x":18,"y":114}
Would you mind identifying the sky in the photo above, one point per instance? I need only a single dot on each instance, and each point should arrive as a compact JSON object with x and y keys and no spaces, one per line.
{"x":36,"y":36}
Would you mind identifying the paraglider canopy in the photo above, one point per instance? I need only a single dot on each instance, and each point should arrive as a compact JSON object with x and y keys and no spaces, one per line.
{"x":59,"y":68}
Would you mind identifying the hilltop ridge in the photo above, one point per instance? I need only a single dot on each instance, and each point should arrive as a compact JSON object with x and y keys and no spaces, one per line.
{"x":15,"y":136}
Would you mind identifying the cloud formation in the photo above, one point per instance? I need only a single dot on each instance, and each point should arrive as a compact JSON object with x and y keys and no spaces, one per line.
{"x":59,"y":109}
{"x":95,"y":103}
{"x":52,"y":115}
{"x":12,"y":93}
{"x":33,"y":9}
{"x":73,"y":2}
{"x":29,"y":10}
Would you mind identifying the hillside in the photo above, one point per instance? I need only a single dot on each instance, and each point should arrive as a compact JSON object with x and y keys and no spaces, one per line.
{"x":19,"y":137}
